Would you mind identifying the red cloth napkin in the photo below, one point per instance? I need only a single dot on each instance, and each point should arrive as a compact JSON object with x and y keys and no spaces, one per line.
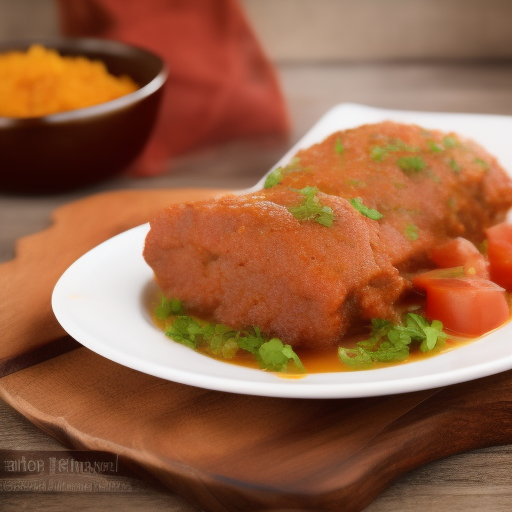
{"x":221,"y":85}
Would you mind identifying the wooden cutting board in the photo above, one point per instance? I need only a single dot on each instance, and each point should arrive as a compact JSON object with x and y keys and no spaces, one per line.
{"x":221,"y":451}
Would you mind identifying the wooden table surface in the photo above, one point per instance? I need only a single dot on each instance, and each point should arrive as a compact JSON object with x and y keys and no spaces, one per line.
{"x":479,"y":480}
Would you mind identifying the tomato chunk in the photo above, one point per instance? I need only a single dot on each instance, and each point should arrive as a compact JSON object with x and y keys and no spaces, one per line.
{"x":466,"y":305}
{"x":460,"y":252}
{"x":499,"y":250}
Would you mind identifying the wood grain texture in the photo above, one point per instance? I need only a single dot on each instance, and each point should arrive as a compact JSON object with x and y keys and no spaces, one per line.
{"x":225,"y":452}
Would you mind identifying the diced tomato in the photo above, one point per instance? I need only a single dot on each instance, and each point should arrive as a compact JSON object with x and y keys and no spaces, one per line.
{"x":499,"y":250}
{"x":466,"y":305}
{"x":425,"y":279}
{"x":460,"y":252}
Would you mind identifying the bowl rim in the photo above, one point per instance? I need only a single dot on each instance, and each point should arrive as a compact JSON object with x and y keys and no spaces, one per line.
{"x":88,"y":44}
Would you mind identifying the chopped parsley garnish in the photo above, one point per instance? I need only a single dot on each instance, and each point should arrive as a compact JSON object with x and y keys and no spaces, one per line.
{"x":356,"y":184}
{"x":338,"y":147}
{"x":311,"y":209}
{"x":411,"y":232}
{"x":378,"y":153}
{"x":400,"y":145}
{"x":274,"y":178}
{"x":434,"y":146}
{"x":390,"y":343}
{"x":411,"y":164}
{"x":455,"y":166}
{"x":481,"y":162}
{"x":167,"y":307}
{"x":357,"y":203}
{"x":223,"y":341}
{"x":273,"y":355}
{"x":450,"y":142}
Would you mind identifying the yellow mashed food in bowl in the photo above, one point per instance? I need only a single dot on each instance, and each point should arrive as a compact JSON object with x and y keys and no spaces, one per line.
{"x":41,"y":82}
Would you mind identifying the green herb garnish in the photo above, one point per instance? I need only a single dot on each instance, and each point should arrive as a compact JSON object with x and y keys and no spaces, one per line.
{"x":338,"y":147}
{"x":311,"y":209}
{"x":481,"y":162}
{"x":274,"y":178}
{"x":223,"y":341}
{"x":400,"y":145}
{"x":274,"y":356}
{"x":356,"y":184}
{"x":434,"y":146}
{"x":389,"y":343}
{"x":271,"y":354}
{"x":450,"y":142}
{"x":411,"y":231}
{"x":455,"y":166}
{"x":411,"y":164}
{"x":357,"y":203}
{"x":167,"y":307}
{"x":378,"y":153}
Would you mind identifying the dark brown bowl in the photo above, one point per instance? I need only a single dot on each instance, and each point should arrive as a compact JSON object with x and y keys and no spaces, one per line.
{"x":70,"y":150}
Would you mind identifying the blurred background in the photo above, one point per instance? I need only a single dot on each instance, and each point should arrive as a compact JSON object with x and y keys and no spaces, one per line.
{"x":334,"y":30}
{"x":406,"y":54}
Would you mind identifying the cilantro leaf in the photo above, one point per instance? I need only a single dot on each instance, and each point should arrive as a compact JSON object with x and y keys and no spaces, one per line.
{"x":411,"y":232}
{"x":311,"y":209}
{"x":274,"y":178}
{"x":411,"y":164}
{"x":355,"y":357}
{"x":272,"y":357}
{"x":378,"y":153}
{"x":450,"y":142}
{"x":223,"y":341}
{"x":433,"y":334}
{"x":390,"y":343}
{"x":481,"y":162}
{"x":434,"y":146}
{"x":167,"y":307}
{"x":357,"y":203}
{"x":251,"y":341}
{"x":338,"y":147}
{"x":184,"y":330}
{"x":291,"y":355}
{"x":355,"y":183}
{"x":455,"y":166}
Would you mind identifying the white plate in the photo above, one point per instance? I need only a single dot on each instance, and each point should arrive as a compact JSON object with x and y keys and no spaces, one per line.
{"x":101,"y":300}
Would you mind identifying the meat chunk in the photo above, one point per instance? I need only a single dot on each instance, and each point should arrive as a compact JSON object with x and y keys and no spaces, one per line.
{"x":427,"y":184}
{"x":247,"y":260}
